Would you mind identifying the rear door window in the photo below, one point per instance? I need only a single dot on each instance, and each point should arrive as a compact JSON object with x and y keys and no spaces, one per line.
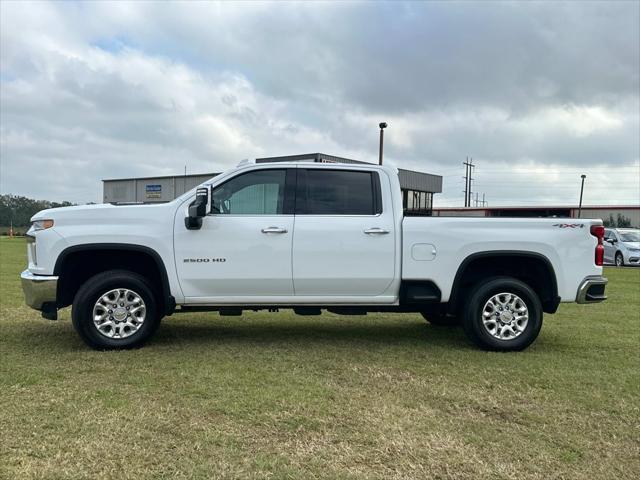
{"x":338,"y":192}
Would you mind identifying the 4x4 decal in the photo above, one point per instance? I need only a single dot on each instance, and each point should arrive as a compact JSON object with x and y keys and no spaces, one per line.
{"x":569,"y":225}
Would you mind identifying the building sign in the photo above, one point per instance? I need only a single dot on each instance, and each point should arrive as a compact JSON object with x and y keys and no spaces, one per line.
{"x":153,"y":191}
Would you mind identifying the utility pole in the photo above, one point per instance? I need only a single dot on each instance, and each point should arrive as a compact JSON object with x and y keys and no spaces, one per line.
{"x":471,"y":167}
{"x":581,"y":191}
{"x":466,"y":176}
{"x":382,"y":126}
{"x":476,"y":199}
{"x":467,"y":182}
{"x":483,"y":202}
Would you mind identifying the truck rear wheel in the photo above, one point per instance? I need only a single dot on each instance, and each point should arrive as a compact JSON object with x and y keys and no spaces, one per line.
{"x":116,"y":309}
{"x":502,"y":314}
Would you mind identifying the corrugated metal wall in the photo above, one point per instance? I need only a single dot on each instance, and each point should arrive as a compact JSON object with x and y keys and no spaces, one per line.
{"x":151,"y":190}
{"x":633,"y":214}
{"x":422,"y":182}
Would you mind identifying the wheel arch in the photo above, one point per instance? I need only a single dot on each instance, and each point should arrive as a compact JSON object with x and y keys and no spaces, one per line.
{"x":122,"y":255}
{"x":542,"y":278}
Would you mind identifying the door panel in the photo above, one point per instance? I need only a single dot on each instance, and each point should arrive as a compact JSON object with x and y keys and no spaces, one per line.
{"x":231,"y":256}
{"x":333,"y":256}
{"x":606,"y":245}
{"x":609,"y":249}
{"x":244,"y":247}
{"x":347,"y":254}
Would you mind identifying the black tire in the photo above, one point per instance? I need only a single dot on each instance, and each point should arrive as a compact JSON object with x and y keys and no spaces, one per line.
{"x":441,"y":320}
{"x":619,"y":260}
{"x":473,"y":313}
{"x":97,"y":286}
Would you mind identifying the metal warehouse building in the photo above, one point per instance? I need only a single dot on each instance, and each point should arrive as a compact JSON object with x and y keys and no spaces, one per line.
{"x":150,"y":189}
{"x":604,"y":212}
{"x":417,"y":187}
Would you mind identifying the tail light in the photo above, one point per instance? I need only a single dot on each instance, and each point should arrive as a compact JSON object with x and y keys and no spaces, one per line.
{"x":598,"y":232}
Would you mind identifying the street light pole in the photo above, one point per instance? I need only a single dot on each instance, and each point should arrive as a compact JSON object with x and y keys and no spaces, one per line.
{"x":581,"y":190}
{"x":382,"y":126}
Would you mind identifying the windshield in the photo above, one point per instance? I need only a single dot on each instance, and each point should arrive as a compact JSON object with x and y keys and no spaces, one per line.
{"x":629,"y":236}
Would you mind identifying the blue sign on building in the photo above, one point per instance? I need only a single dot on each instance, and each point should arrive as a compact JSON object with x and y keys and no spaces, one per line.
{"x":153,"y":191}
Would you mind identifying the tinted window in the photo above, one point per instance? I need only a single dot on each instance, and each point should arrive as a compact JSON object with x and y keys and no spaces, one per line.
{"x":255,"y":193}
{"x":337,"y":192}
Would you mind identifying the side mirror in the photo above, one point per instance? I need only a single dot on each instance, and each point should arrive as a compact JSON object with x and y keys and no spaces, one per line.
{"x":199,"y":208}
{"x":612,"y":240}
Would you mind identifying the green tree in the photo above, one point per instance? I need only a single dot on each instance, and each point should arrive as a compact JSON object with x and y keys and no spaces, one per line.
{"x":623,"y":222}
{"x":18,"y":210}
{"x":609,"y":222}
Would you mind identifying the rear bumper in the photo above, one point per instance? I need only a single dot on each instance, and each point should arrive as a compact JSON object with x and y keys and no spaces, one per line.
{"x":39,"y":290}
{"x":591,"y":290}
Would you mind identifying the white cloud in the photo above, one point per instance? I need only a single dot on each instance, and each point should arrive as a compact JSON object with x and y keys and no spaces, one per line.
{"x":101,"y":90}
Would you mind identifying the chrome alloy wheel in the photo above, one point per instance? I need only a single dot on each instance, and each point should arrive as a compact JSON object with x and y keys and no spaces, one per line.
{"x":619,"y":260}
{"x":505,"y":316}
{"x":119,"y":313}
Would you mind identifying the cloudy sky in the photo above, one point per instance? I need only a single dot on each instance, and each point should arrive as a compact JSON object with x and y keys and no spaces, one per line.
{"x":536,"y":93}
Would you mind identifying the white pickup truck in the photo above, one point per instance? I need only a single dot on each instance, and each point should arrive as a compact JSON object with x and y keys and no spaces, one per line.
{"x":306,"y":236}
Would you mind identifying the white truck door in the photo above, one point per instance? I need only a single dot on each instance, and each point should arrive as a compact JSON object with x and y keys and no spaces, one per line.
{"x":344,"y":240}
{"x":244,"y":246}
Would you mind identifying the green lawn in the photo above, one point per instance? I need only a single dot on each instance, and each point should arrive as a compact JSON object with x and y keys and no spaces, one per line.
{"x":280,"y":396}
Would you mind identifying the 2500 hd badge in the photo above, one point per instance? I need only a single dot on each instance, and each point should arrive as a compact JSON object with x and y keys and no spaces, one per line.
{"x":203,"y":260}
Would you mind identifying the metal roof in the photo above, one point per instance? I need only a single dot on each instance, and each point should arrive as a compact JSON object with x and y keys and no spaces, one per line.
{"x":419,"y":181}
{"x":191,"y":175}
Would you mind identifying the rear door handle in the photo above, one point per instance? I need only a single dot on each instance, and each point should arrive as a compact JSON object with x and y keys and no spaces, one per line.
{"x":274,"y":230}
{"x":376,"y":231}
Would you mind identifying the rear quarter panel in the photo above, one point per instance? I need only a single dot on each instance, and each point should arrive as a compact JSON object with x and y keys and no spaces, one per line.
{"x":566,"y":243}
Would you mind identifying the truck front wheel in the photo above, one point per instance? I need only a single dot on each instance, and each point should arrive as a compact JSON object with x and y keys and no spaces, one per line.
{"x":504,"y":314}
{"x":116,"y":309}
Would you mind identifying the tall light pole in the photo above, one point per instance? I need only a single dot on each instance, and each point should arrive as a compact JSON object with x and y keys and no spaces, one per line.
{"x":382,"y":126}
{"x":581,"y":190}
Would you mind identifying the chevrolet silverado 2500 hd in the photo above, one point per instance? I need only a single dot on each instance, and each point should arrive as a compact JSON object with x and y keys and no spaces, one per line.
{"x":305,"y":237}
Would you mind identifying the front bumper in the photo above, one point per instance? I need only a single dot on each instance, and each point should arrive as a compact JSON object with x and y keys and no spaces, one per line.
{"x":632,"y":258}
{"x":591,"y":290}
{"x":39,"y":290}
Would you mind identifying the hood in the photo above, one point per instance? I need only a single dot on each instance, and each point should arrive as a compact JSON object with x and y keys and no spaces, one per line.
{"x":53,"y":213}
{"x":101,"y":210}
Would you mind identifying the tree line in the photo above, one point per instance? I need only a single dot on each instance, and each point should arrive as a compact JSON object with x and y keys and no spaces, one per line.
{"x":18,"y":210}
{"x":620,"y":222}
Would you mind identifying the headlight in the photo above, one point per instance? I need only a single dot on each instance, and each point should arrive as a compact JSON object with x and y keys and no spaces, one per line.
{"x":634,"y":249}
{"x":41,"y":225}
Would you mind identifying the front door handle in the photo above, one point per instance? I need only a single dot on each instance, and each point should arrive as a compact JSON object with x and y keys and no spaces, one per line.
{"x":376,"y":231}
{"x":274,"y":230}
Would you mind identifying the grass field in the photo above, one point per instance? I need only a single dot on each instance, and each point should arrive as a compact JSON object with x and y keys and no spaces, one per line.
{"x":280,"y":396}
